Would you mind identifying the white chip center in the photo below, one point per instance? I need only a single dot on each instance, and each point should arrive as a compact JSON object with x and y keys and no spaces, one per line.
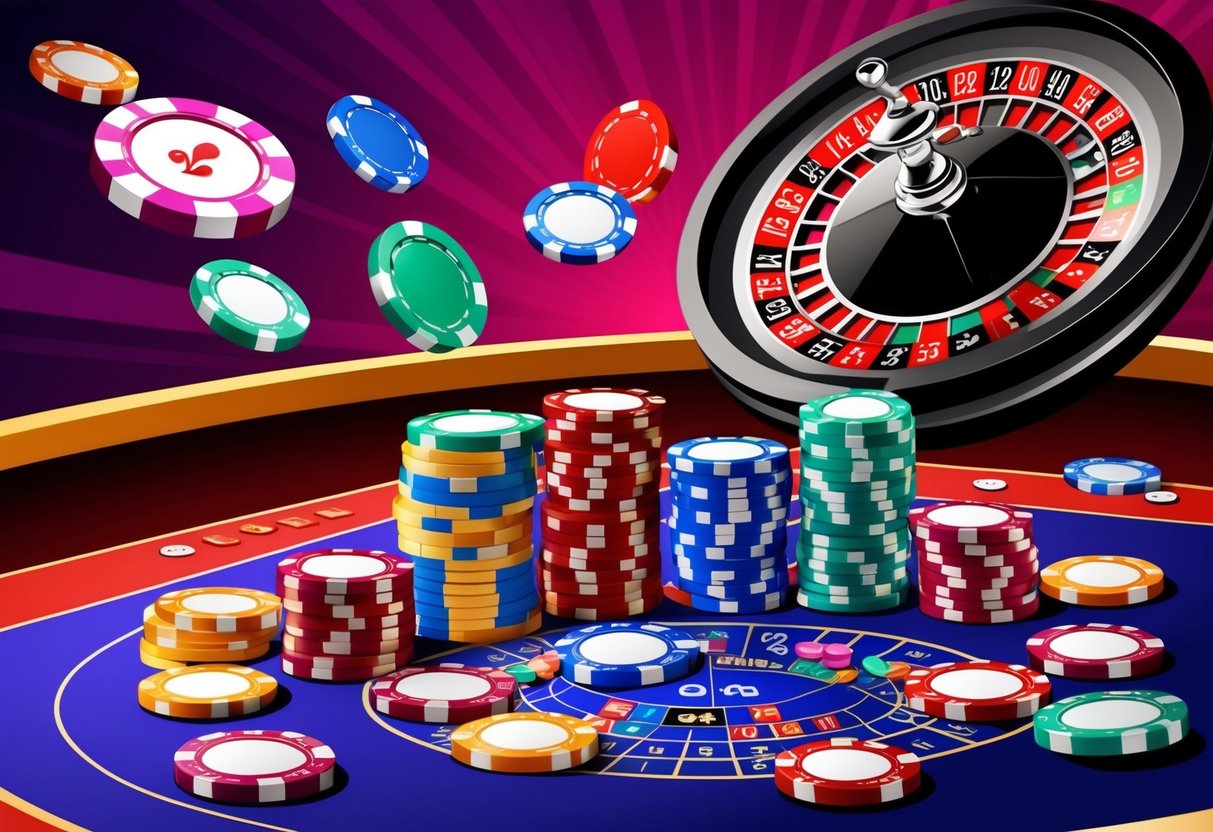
{"x":1112,"y":472}
{"x":726,"y":450}
{"x":976,"y":683}
{"x":523,"y":734}
{"x":604,"y":400}
{"x":208,"y":684}
{"x":623,"y":648}
{"x":968,"y":516}
{"x":857,"y":407}
{"x":342,"y":566}
{"x":178,"y":152}
{"x":251,"y":299}
{"x":1102,"y":573}
{"x":1110,"y":713}
{"x":848,"y":764}
{"x":582,"y":219}
{"x":475,"y":423}
{"x":86,"y":66}
{"x":218,"y":603}
{"x":252,"y":757}
{"x":1094,"y":645}
{"x":440,"y":684}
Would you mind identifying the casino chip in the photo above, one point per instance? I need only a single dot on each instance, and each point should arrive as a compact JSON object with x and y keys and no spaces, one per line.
{"x":427,"y":286}
{"x":527,"y":742}
{"x":218,"y":609}
{"x":249,"y":306}
{"x":378,"y":143}
{"x":1102,"y":581}
{"x":626,"y":654}
{"x":847,"y":772}
{"x":1095,"y":651}
{"x":633,"y":151}
{"x":990,"y":484}
{"x":192,"y":168}
{"x":83,"y":72}
{"x":444,"y":693}
{"x":1161,"y":497}
{"x":176,"y":550}
{"x":977,"y":691}
{"x":1113,"y":475}
{"x":1112,"y":723}
{"x":207,"y":691}
{"x":252,"y":767}
{"x":579,"y":223}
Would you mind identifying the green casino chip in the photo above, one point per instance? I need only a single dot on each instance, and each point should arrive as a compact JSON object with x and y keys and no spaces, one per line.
{"x":1111,"y":723}
{"x":811,"y":576}
{"x":868,"y":603}
{"x":819,"y":450}
{"x":876,"y":666}
{"x":820,"y":527}
{"x":249,"y":306}
{"x":475,"y":430}
{"x":427,"y":286}
{"x":856,"y":412}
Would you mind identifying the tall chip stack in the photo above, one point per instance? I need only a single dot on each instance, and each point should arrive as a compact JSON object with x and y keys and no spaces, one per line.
{"x":728,"y":522}
{"x":977,"y":562}
{"x":464,"y":514}
{"x":349,"y":614}
{"x":208,"y":625}
{"x":857,"y":483}
{"x":601,"y":516}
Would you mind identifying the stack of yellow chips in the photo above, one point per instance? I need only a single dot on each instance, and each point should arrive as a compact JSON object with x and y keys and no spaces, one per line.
{"x":208,"y":625}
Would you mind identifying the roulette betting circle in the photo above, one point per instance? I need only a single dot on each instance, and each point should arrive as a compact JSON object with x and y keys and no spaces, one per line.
{"x":986,"y":209}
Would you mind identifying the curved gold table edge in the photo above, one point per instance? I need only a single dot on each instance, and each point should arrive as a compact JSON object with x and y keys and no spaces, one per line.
{"x":86,"y":427}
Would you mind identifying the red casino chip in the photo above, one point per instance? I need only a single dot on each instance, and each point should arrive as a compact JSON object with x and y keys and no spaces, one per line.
{"x":932,"y":609}
{"x":615,"y":481}
{"x":1005,"y":602}
{"x":583,"y":528}
{"x":977,"y":691}
{"x":242,"y":767}
{"x":313,"y":647}
{"x":971,"y":522}
{"x":444,"y":693}
{"x":588,"y":609}
{"x":308,"y":596}
{"x":975,"y":549}
{"x":320,"y":609}
{"x":847,"y":772}
{"x":617,"y":539}
{"x":642,"y":511}
{"x":603,"y":508}
{"x":315,"y":662}
{"x":572,"y":588}
{"x":613,"y":598}
{"x":969,"y":564}
{"x":560,"y":554}
{"x":611,"y":490}
{"x":633,"y":151}
{"x":583,"y":472}
{"x":628,"y":409}
{"x":556,"y":452}
{"x":562,"y":574}
{"x":983,"y":578}
{"x":352,"y":637}
{"x":301,"y":669}
{"x":346,"y":572}
{"x":937,"y":586}
{"x":1095,"y":651}
{"x":350,"y":625}
{"x":590,"y":437}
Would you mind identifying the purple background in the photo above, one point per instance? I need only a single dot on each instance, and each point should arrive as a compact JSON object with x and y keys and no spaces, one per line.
{"x":94,"y":303}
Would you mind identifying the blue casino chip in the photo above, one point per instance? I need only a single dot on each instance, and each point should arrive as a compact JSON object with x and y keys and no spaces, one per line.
{"x":734,"y":590}
{"x":467,"y":485}
{"x":434,"y":571}
{"x":626,"y":654}
{"x":1113,"y":475}
{"x":378,"y":143}
{"x":468,"y":499}
{"x":728,"y":456}
{"x":744,"y":606}
{"x":505,"y":615}
{"x":579,"y":223}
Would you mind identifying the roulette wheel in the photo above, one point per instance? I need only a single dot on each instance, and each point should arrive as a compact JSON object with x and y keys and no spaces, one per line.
{"x":985,"y":209}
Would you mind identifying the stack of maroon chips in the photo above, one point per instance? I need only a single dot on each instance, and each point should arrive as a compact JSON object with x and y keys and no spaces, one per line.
{"x":601,"y":519}
{"x":349,"y":614}
{"x":976,"y":562}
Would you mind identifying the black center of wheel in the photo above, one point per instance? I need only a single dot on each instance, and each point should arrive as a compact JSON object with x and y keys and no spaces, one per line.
{"x":897,"y":265}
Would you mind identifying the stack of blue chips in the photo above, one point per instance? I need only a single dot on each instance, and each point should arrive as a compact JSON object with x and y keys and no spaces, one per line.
{"x":728,"y":523}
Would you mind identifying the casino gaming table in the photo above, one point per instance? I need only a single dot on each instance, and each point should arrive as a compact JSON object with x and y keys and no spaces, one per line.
{"x":147,"y":471}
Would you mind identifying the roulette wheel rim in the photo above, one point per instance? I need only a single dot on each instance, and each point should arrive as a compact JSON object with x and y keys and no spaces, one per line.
{"x":1018,"y":378}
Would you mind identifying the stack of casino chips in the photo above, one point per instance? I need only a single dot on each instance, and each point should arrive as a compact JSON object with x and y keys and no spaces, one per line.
{"x":464,"y":515}
{"x":857,"y":482}
{"x":728,"y":522}
{"x":977,"y":563}
{"x":210,"y":625}
{"x":349,"y":614}
{"x":601,"y":517}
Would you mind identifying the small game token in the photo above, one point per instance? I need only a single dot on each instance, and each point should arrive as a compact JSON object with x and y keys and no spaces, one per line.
{"x":1102,"y":580}
{"x":990,"y":484}
{"x":977,"y":691}
{"x":176,"y":550}
{"x":522,"y":673}
{"x":836,"y":656}
{"x":546,"y":666}
{"x":297,"y":522}
{"x":525,"y":742}
{"x":251,"y":767}
{"x":83,"y":72}
{"x":1162,"y":498}
{"x":811,"y":650}
{"x":581,"y":223}
{"x":378,"y":143}
{"x":249,"y":306}
{"x":847,"y":772}
{"x":876,"y":666}
{"x":444,"y":693}
{"x":332,"y":513}
{"x":626,"y":654}
{"x":220,"y":540}
{"x":898,"y":670}
{"x":633,"y":150}
{"x":1112,"y":475}
{"x":207,"y":691}
{"x":1095,"y":651}
{"x":257,"y":528}
{"x":1112,"y":723}
{"x":428,"y":288}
